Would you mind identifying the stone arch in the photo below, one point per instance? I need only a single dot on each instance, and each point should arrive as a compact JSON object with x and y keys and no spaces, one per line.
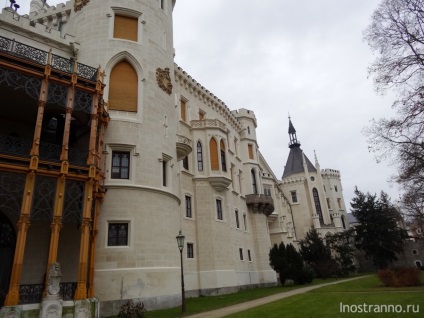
{"x":131,"y":65}
{"x":213,"y":153}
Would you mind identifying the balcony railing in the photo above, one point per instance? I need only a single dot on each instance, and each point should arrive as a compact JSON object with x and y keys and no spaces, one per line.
{"x":17,"y":146}
{"x":33,"y":293}
{"x":41,"y":57}
{"x":208,"y":123}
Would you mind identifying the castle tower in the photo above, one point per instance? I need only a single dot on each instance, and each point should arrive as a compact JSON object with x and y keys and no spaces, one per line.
{"x":315,"y":194}
{"x":133,"y":42}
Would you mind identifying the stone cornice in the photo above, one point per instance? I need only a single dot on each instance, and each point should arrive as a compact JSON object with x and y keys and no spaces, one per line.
{"x":143,"y":188}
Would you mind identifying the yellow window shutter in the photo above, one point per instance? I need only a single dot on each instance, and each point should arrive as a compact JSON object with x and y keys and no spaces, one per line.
{"x":123,"y":88}
{"x":250,"y":149}
{"x":213,"y":148}
{"x":125,"y":28}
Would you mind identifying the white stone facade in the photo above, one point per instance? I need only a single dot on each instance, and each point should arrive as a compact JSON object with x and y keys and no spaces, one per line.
{"x":230,"y":246}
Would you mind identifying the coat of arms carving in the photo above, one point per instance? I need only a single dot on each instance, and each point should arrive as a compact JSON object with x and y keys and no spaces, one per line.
{"x":164,"y":80}
{"x":79,"y":4}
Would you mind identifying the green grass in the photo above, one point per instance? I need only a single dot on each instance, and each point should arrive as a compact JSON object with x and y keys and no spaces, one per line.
{"x":202,"y":304}
{"x":326,"y":301}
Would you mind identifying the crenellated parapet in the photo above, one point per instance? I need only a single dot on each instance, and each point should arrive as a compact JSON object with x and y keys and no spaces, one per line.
{"x":52,"y":16}
{"x":330,"y":174}
{"x":39,"y":9}
{"x":23,"y":26}
{"x":206,"y":97}
{"x":244,"y":113}
{"x":293,"y":180}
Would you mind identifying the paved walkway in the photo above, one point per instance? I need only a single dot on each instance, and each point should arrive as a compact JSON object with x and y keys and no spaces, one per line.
{"x":222,"y":312}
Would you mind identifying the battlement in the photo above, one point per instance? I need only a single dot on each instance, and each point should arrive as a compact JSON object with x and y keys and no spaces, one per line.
{"x":291,"y":180}
{"x":23,"y":25}
{"x":206,"y":96}
{"x":330,"y":173}
{"x":244,"y":113}
{"x":40,"y":10}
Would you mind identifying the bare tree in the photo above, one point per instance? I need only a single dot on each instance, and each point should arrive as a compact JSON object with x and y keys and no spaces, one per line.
{"x":396,"y":33}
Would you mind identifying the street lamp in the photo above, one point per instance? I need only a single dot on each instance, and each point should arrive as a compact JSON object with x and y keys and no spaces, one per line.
{"x":180,"y":240}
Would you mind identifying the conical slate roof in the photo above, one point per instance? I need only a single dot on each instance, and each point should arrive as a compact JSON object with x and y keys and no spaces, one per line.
{"x":294,"y":163}
{"x":295,"y":160}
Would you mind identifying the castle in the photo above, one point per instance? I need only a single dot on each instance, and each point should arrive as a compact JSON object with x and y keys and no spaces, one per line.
{"x":108,"y":149}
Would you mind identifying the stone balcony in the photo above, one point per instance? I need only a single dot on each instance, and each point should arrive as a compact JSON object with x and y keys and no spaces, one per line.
{"x":183,"y":147}
{"x":208,"y":124}
{"x":260,"y":203}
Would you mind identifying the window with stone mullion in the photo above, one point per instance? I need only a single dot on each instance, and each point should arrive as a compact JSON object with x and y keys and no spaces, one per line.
{"x":120,"y":165}
{"x":118,"y":234}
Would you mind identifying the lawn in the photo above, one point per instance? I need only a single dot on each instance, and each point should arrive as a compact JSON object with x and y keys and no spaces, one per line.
{"x":202,"y":304}
{"x":351,"y":299}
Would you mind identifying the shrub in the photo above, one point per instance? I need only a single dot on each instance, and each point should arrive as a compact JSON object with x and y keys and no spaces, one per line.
{"x":400,"y":276}
{"x":131,"y":310}
{"x":305,"y":275}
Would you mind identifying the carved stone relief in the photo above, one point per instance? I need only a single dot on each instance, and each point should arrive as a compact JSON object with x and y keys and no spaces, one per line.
{"x":164,"y":80}
{"x":79,"y":4}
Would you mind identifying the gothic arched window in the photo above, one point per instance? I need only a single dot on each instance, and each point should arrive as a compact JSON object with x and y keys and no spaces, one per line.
{"x":317,"y":203}
{"x":123,"y":87}
{"x":223,"y":161}
{"x":213,"y":148}
{"x":254,"y":186}
{"x":199,"y":156}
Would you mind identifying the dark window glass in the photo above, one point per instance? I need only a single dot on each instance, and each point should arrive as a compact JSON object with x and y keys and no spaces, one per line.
{"x":117,"y":234}
{"x":120,"y":165}
{"x":241,"y":253}
{"x":190,"y":250}
{"x":219,"y":209}
{"x":188,"y":206}
{"x":185,"y":163}
{"x":199,"y":157}
{"x":248,"y":255}
{"x":254,"y":188}
{"x":293,"y":196}
{"x":164,"y":164}
{"x":237,"y":220}
{"x":317,"y":203}
{"x":223,"y":162}
{"x":245,"y":222}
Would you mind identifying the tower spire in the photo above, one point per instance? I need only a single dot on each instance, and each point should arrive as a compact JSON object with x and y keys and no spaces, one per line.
{"x":292,"y":134}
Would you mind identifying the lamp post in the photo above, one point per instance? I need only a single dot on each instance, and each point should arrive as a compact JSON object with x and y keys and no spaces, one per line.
{"x":180,"y":240}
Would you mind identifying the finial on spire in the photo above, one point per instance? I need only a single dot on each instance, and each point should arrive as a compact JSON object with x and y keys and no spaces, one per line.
{"x":316,"y":159}
{"x":292,"y":134}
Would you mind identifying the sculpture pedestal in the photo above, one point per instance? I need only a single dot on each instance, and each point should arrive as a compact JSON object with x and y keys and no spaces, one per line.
{"x":51,"y":308}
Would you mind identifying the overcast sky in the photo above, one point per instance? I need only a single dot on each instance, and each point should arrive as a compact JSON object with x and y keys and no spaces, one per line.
{"x":303,"y":58}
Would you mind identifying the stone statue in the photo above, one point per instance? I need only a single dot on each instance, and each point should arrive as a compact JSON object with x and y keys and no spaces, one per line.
{"x":53,"y":282}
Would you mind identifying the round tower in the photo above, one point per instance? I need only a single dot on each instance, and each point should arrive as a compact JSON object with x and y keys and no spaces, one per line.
{"x":132,"y":41}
